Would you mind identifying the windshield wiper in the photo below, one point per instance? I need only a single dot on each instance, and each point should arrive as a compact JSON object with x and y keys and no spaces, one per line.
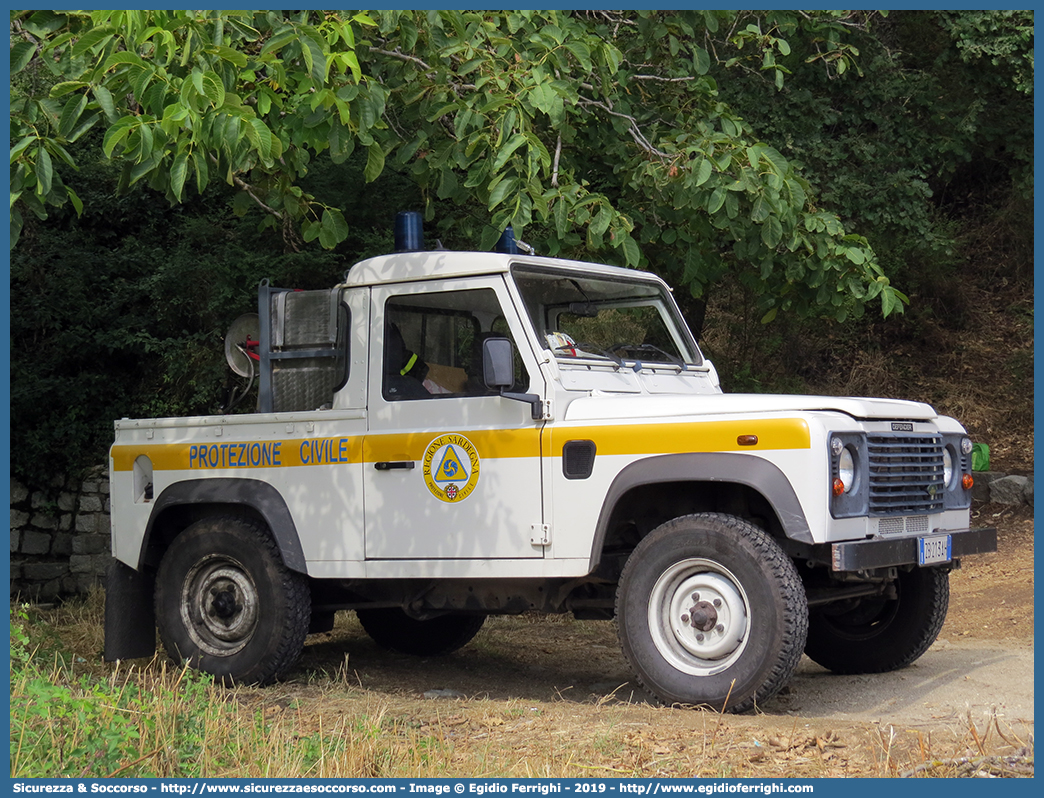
{"x":590,"y":349}
{"x":649,"y":348}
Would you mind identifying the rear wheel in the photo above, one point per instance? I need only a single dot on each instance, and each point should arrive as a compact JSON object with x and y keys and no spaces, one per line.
{"x":393,"y":629}
{"x":227,"y":604}
{"x":711,"y":612}
{"x":875,"y":635}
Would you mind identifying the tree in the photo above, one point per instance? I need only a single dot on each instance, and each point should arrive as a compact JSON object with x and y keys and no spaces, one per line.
{"x":602,"y":131}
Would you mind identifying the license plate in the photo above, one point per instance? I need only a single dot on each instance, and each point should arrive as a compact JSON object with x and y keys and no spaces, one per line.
{"x":935,"y":549}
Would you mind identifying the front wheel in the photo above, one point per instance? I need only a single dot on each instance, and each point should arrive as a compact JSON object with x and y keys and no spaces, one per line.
{"x":711,"y":612}
{"x":393,"y":629}
{"x":876,"y":635}
{"x":227,"y":604}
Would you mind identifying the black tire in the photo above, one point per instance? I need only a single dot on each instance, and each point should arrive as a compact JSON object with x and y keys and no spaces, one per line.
{"x":749,"y":602}
{"x":227,"y":604}
{"x":876,"y":635}
{"x":393,"y":629}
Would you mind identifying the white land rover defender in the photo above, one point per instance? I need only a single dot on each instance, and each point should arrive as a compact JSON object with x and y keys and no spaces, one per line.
{"x":449,"y":435}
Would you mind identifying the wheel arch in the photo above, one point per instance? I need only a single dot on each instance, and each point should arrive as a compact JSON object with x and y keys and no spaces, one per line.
{"x":700,"y":482}
{"x":183,"y":503}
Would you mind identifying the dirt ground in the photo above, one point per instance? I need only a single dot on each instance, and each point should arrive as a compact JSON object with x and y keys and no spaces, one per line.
{"x":554,"y":697}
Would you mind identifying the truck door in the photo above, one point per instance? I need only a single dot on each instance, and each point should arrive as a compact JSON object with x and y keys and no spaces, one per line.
{"x":451,"y":469}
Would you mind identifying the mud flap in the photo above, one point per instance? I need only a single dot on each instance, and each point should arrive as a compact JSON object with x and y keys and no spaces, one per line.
{"x":130,"y":617}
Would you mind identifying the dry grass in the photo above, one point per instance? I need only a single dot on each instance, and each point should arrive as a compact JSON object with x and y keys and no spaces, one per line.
{"x":73,"y":715}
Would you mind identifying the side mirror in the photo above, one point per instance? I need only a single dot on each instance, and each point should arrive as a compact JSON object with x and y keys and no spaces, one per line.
{"x":498,"y":372}
{"x":498,"y":363}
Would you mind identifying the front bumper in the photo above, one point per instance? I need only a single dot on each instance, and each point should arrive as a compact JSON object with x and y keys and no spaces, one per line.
{"x":887,"y":552}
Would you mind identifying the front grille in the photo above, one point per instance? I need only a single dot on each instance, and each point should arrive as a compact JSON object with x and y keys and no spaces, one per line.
{"x":900,"y":525}
{"x":906,"y":474}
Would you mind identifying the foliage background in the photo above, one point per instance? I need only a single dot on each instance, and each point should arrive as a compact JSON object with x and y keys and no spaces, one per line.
{"x":912,"y":132}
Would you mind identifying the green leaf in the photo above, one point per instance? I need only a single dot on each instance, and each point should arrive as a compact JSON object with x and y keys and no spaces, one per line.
{"x":701,"y":60}
{"x":601,"y":221}
{"x":21,"y":54}
{"x":502,"y":190}
{"x":234,"y":57}
{"x":21,"y":146}
{"x":177,"y":175}
{"x":279,"y":40}
{"x":717,"y":199}
{"x":507,"y":150}
{"x":44,"y":172}
{"x":761,"y":210}
{"x":263,"y":138}
{"x":856,"y":255}
{"x":104,"y":99}
{"x":199,"y":164}
{"x":753,"y":156}
{"x":77,"y":203}
{"x":115,"y":134}
{"x":704,"y":171}
{"x":315,"y":56}
{"x":92,"y":38}
{"x":120,"y":57}
{"x":334,"y":229}
{"x":213,"y":89}
{"x":66,"y":87}
{"x":771,"y":232}
{"x":632,"y":253}
{"x":582,"y":53}
{"x":768,"y":317}
{"x":561,"y":217}
{"x":71,"y":114}
{"x":374,"y":162}
{"x":888,"y":301}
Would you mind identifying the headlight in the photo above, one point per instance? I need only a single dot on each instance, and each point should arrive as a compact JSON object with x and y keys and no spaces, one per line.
{"x":966,"y":445}
{"x":846,"y":469}
{"x":947,"y":466}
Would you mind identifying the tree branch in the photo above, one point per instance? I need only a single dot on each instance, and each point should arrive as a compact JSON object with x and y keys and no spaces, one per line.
{"x":632,"y":128}
{"x":554,"y":166}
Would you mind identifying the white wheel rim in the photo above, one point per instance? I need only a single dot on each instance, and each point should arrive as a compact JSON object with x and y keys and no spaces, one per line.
{"x":699,"y":617}
{"x":219,"y":605}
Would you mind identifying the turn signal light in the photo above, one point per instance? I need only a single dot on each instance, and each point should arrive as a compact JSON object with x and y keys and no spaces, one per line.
{"x":839,"y":487}
{"x":967,"y":481}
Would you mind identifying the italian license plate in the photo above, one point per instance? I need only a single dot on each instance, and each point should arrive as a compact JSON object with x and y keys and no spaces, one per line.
{"x":934,"y":549}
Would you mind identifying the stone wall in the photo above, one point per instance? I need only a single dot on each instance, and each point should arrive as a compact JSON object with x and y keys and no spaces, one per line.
{"x":60,"y":537}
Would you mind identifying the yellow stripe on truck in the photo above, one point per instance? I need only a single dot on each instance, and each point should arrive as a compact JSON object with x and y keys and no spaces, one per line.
{"x":678,"y":438}
{"x":632,"y":439}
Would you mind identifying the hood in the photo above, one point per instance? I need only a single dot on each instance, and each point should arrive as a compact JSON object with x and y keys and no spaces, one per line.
{"x":645,"y":406}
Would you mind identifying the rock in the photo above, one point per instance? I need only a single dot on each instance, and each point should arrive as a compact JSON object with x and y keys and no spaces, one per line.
{"x":19,"y":492}
{"x":444,"y":694}
{"x":44,"y":521}
{"x":1027,"y":493}
{"x":1008,"y":490}
{"x":35,"y":542}
{"x":981,"y":488}
{"x":45,"y":571}
{"x":90,"y":504}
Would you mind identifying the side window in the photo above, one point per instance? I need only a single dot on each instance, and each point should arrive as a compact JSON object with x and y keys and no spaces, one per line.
{"x":433,"y":343}
{"x":344,"y":359}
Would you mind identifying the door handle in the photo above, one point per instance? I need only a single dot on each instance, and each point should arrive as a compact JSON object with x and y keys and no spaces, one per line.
{"x":400,"y":465}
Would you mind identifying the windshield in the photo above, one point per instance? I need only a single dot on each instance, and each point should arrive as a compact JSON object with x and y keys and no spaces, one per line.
{"x":579,"y":316}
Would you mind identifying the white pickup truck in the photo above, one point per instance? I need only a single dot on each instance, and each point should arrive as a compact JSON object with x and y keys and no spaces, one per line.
{"x":449,"y":435}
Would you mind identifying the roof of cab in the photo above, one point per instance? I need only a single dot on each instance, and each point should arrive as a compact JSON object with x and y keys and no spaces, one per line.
{"x":404,"y":267}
